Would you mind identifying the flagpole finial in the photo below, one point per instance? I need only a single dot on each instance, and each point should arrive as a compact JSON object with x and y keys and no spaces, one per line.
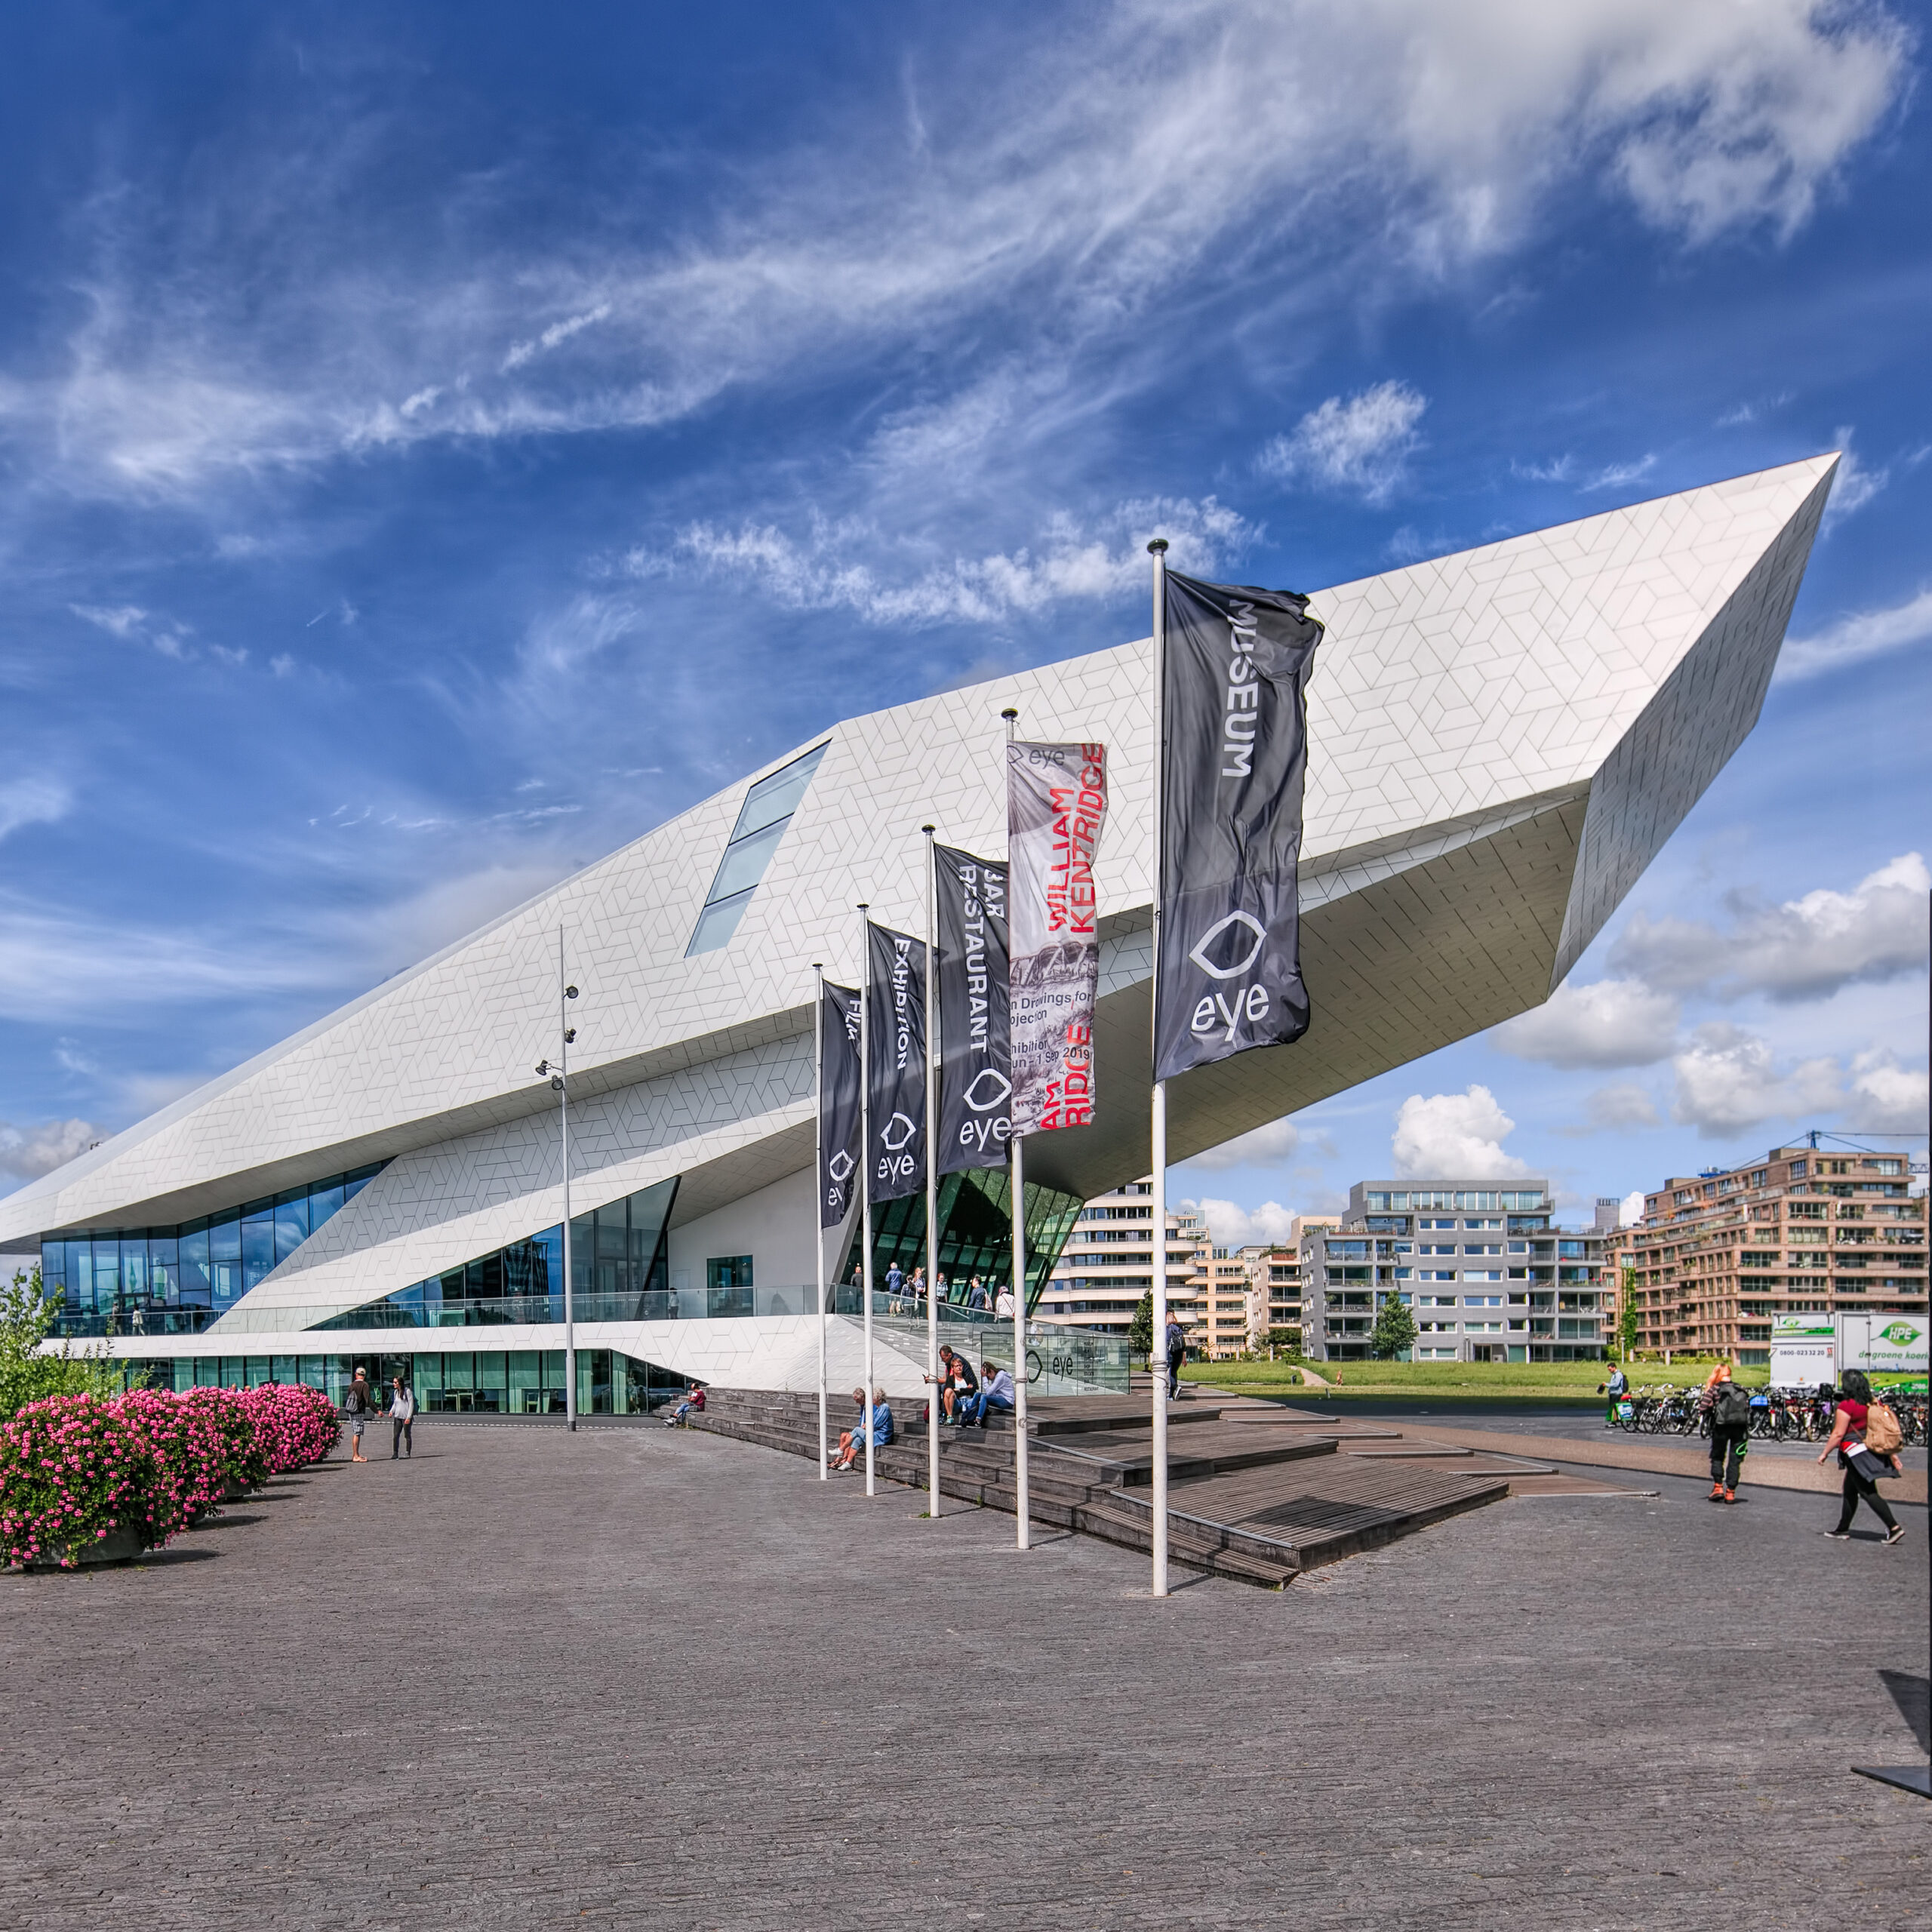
{"x":1010,"y":712}
{"x":1158,"y":548}
{"x":929,"y":829}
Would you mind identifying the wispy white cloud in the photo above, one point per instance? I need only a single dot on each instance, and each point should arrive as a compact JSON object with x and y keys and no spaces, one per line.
{"x":1613,"y":1022}
{"x":828,"y":569}
{"x":1853,"y":639}
{"x":28,"y":1152}
{"x":1263,"y":1146}
{"x":522,"y":352}
{"x":135,"y":626}
{"x":1615,"y":475}
{"x":32,"y":801}
{"x":1854,"y":486}
{"x":1361,"y":445}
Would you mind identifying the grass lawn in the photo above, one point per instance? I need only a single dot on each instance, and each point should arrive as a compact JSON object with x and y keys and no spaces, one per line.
{"x":1453,"y":1381}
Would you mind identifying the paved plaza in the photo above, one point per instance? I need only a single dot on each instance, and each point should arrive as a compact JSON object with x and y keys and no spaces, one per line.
{"x":636,"y":1677}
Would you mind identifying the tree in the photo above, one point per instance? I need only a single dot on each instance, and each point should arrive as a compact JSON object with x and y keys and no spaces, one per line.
{"x":1395,"y":1329}
{"x":1140,"y":1337}
{"x":1627,"y":1315}
{"x":1288,"y":1341}
{"x":26,"y":1314}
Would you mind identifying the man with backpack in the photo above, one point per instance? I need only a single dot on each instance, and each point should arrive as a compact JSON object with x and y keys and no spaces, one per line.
{"x":1617,"y":1388}
{"x":358,"y":1405}
{"x":1730,"y":1406}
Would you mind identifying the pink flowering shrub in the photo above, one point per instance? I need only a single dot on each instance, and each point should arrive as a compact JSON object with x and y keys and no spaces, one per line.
{"x":72,"y":1468}
{"x":189,"y":1459}
{"x":294,"y":1425}
{"x":245,"y":1460}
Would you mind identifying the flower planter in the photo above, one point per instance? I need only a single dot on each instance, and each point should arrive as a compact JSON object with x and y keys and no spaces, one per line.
{"x":118,"y":1545}
{"x":235,"y":1492}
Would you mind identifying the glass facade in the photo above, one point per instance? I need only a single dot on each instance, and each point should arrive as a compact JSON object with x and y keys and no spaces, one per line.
{"x":618,"y":1261}
{"x":762,"y":818}
{"x":976,"y":1233}
{"x":498,"y":1382}
{"x":175,"y":1281}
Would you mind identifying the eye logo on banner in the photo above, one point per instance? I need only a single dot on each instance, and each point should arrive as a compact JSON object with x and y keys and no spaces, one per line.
{"x":895,"y":1081}
{"x":1057,"y":803}
{"x":838,"y":1102}
{"x":975,"y":1078}
{"x":1234,"y":713}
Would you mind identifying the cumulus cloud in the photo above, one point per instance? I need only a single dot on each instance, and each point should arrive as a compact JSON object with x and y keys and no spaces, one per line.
{"x":1853,"y":639}
{"x":824,"y":571}
{"x":28,"y":1152}
{"x":32,"y":801}
{"x":1805,"y":948}
{"x":1624,"y":1105}
{"x":1233,"y":1226}
{"x":1612,"y":1022}
{"x":1277,"y":1141}
{"x":1886,"y":1097}
{"x":1728,"y":1081}
{"x":1362,"y":445}
{"x":1456,"y":1136}
{"x":1632,"y":1213}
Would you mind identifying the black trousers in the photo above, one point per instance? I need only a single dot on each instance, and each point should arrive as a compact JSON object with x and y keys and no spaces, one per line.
{"x":1857,"y":1490}
{"x":1730,"y":1445}
{"x":399,"y":1437}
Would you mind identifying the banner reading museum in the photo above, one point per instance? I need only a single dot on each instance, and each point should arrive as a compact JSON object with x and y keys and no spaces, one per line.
{"x":1234,"y":723}
{"x":975,"y":1068}
{"x":1056,"y":802}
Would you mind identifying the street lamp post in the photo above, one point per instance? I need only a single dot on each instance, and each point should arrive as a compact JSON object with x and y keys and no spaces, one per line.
{"x":560,"y":1080}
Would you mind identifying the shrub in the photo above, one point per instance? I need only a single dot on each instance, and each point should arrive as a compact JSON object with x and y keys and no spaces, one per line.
{"x":26,"y":1316}
{"x":72,"y":1468}
{"x":244,"y":1461}
{"x":294,"y":1425}
{"x":189,"y":1459}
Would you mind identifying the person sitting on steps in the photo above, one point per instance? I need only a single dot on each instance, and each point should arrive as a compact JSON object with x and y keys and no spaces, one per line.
{"x":853,"y":1440}
{"x":996,"y":1392}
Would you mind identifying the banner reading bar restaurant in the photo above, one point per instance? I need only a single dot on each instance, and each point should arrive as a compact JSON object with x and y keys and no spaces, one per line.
{"x":1056,"y":802}
{"x":1236,"y":754}
{"x":975,"y":1075}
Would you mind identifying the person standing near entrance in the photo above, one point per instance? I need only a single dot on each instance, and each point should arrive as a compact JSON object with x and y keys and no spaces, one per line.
{"x":1730,"y":1434}
{"x":358,"y":1405}
{"x":402,"y":1418}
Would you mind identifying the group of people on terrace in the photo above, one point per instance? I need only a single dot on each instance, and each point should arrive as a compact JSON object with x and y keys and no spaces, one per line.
{"x":965,"y":1399}
{"x":906,"y":1293}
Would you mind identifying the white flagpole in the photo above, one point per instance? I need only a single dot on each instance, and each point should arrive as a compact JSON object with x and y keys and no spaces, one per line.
{"x":932,"y":1175}
{"x":865,"y":1178}
{"x":1157,"y":1119}
{"x":818,"y":1183}
{"x":564,"y":1095}
{"x":1023,"y":1511}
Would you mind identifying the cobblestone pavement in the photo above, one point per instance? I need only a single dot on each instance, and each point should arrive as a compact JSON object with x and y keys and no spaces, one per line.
{"x":636,"y":1677}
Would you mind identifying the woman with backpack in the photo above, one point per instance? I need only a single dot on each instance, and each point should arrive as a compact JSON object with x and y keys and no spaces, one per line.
{"x":1866,"y":1435}
{"x":1729,"y":1406}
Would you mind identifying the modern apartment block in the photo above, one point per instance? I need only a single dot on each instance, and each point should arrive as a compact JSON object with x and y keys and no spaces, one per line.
{"x":1108,"y":1264}
{"x":1219,"y":1286}
{"x":1275,"y":1295}
{"x":1487,"y":1276}
{"x":1805,"y":1231}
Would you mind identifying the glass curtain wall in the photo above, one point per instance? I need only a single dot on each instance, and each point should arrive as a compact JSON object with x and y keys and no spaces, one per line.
{"x":175,"y":1281}
{"x":975,"y":1238}
{"x":619,"y":1261}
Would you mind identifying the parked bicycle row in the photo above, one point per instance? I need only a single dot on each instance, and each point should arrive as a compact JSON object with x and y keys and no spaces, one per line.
{"x":1776,"y":1415}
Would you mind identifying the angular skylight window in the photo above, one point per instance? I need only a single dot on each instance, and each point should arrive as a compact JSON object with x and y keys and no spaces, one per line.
{"x":766,"y":811}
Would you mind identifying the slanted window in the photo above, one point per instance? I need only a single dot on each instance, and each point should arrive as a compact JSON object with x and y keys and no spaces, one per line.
{"x":762,"y":818}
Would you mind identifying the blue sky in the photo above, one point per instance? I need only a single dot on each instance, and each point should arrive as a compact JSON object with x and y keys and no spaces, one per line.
{"x":437,"y":444}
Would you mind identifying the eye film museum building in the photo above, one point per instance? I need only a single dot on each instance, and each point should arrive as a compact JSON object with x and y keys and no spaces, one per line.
{"x":1499,"y":742}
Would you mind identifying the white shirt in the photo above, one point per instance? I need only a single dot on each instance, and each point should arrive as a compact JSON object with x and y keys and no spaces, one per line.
{"x":1002,"y":1307}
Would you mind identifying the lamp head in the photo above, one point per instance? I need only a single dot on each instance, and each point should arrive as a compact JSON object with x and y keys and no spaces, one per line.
{"x":569,"y":993}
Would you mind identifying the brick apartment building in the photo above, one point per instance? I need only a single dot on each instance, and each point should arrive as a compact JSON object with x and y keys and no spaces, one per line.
{"x":1805,"y":1231}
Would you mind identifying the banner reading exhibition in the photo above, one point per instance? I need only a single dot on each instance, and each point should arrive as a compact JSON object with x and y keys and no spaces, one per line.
{"x":895,"y":1080}
{"x":1234,"y":722}
{"x":1056,"y":802}
{"x":975,"y":1077}
{"x":838,"y":1102}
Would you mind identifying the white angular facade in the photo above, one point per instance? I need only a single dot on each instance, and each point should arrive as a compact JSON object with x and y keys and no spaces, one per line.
{"x":1499,"y":741}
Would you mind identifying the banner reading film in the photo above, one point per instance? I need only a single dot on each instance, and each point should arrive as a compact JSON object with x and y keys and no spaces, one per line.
{"x":1236,"y":723}
{"x":975,"y":1067}
{"x":895,"y":1042}
{"x":1056,"y":802}
{"x":838,"y":1102}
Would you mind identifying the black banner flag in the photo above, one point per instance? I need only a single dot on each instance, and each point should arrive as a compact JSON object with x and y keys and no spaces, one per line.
{"x":838,"y":1102}
{"x":896,"y":1041}
{"x":1235,"y":756}
{"x":975,"y":1061}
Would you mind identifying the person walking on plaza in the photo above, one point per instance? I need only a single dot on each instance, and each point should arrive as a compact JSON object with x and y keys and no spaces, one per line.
{"x":1617,"y":1388}
{"x":1176,"y":1342}
{"x":1003,"y":1305}
{"x":1730,"y":1432}
{"x":1859,"y":1428}
{"x":402,"y":1420}
{"x":358,"y":1405}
